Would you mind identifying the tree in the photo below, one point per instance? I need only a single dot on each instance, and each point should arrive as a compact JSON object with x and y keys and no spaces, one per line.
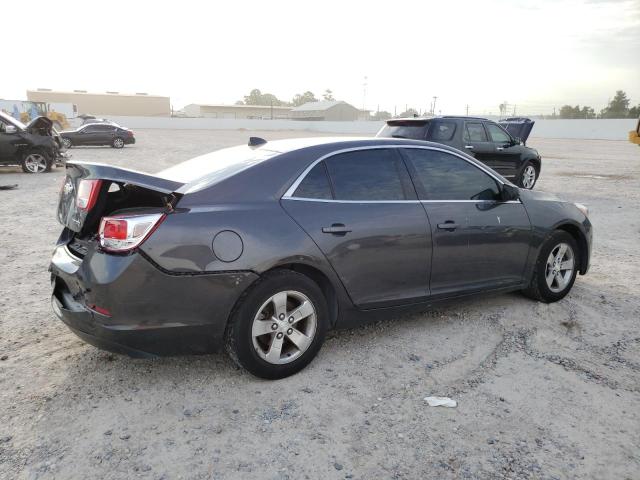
{"x":412,"y":112}
{"x":634,"y":112}
{"x":381,"y":115}
{"x":328,"y":95}
{"x":567,"y":111}
{"x":301,"y":99}
{"x":256,"y":97}
{"x":618,"y":107}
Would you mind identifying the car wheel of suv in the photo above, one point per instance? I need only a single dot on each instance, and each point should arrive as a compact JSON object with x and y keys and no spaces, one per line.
{"x":117,"y":143}
{"x":528,"y":176}
{"x":278,"y":326}
{"x":66,"y":142}
{"x":555,"y":269}
{"x":35,"y":161}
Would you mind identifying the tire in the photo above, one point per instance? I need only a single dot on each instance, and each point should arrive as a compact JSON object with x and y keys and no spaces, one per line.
{"x":35,"y":161}
{"x":540,"y":287}
{"x":117,"y":142}
{"x":66,"y":142}
{"x":254,"y":332}
{"x":528,"y":176}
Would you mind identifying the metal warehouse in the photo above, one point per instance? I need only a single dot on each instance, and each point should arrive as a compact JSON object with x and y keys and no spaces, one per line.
{"x":262,"y":112}
{"x":108,"y":103}
{"x":331,"y":110}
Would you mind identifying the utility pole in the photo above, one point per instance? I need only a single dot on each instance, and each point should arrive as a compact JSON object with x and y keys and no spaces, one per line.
{"x":272,"y":109}
{"x":364,"y":93}
{"x":433,"y":111}
{"x":467,"y":109}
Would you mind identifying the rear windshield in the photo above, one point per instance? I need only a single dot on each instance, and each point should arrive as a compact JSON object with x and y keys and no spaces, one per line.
{"x":409,"y":129}
{"x":212,"y":168}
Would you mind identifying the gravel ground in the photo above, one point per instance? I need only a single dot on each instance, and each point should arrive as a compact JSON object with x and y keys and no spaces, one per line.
{"x":543,"y":391}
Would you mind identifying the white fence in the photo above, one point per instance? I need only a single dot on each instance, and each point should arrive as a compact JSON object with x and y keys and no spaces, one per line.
{"x":578,"y":129}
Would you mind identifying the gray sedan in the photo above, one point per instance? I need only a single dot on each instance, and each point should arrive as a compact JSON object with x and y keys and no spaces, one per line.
{"x":262,"y":248}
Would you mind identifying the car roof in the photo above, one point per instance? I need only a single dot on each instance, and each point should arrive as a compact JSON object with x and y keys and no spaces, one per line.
{"x":206,"y":170}
{"x":426,"y":119}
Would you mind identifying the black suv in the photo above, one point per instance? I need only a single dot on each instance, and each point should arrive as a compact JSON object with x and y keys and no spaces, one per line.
{"x":35,"y":147}
{"x":488,"y":141}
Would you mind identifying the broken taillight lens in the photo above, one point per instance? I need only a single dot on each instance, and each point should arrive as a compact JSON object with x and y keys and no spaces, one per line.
{"x":122,"y":233}
{"x":88,"y":192}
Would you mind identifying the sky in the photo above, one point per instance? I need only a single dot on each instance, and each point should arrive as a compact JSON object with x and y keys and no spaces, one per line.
{"x":535,"y":55}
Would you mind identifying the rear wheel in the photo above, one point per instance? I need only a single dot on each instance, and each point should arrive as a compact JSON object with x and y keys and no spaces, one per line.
{"x":117,"y":143}
{"x":528,"y":176}
{"x":555,"y":269}
{"x":66,"y":142}
{"x":35,"y":161}
{"x":278,"y":326}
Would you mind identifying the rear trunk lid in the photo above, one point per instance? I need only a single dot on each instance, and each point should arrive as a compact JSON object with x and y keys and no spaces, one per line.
{"x":518,"y":127}
{"x":116,"y":188}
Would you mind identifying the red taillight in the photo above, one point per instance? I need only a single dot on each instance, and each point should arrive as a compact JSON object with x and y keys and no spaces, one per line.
{"x":123,"y":233}
{"x":130,"y":133}
{"x":100,"y":310}
{"x":115,"y":229}
{"x":88,"y":192}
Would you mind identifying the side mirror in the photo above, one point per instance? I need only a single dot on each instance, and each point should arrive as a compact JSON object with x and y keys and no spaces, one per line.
{"x":509,"y":193}
{"x":10,"y":129}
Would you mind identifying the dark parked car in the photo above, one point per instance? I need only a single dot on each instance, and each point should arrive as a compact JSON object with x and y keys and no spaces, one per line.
{"x":263,"y":248}
{"x":98,"y":134}
{"x":35,"y":147}
{"x":484,"y":139}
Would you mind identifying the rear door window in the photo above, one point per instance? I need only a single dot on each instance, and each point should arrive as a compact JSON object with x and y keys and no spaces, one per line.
{"x":441,"y":131}
{"x":315,"y":184}
{"x":474,"y":132}
{"x":443,"y":176}
{"x":376,"y":174}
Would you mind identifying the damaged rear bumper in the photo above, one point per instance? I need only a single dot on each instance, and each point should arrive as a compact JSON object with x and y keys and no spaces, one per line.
{"x":125,"y":304}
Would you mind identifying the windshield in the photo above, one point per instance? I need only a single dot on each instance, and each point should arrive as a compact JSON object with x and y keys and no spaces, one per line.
{"x":13,"y":121}
{"x":212,"y":168}
{"x":412,"y":130}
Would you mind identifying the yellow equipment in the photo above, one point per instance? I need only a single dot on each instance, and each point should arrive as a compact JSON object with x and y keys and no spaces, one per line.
{"x":59,"y":120}
{"x":634,"y":136}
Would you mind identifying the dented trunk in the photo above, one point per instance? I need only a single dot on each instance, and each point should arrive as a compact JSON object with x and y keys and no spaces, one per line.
{"x":90,"y":191}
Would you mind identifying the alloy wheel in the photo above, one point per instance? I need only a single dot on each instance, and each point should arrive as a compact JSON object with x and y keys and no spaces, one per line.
{"x":35,"y":163}
{"x":66,"y":142}
{"x":118,"y":143}
{"x":284,"y":327}
{"x":529,"y":177}
{"x":559,"y":269}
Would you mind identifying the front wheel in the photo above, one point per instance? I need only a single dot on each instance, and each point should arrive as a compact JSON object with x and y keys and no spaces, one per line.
{"x":555,"y":269}
{"x":528,"y":176}
{"x":66,"y":142}
{"x":278,"y":326}
{"x":117,"y":143}
{"x":35,"y":161}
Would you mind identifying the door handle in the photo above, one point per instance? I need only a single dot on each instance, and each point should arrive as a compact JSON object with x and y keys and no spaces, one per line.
{"x":469,"y":147}
{"x":449,"y":225}
{"x":336,"y":229}
{"x":500,"y":149}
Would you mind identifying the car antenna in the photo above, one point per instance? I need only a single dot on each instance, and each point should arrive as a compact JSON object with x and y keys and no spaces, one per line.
{"x":256,"y":141}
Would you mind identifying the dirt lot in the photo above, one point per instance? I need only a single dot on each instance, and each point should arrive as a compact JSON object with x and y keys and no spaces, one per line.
{"x":544,"y":391}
